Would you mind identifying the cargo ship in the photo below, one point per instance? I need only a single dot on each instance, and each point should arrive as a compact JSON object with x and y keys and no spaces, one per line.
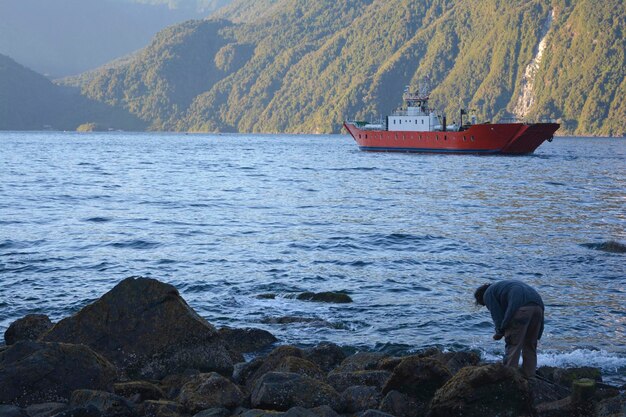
{"x":415,"y":128}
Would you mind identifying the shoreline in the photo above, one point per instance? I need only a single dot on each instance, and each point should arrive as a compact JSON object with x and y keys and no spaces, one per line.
{"x":141,"y":350}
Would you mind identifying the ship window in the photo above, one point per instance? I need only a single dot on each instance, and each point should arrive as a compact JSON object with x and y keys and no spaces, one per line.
{"x":444,"y":137}
{"x":359,"y":136}
{"x":464,"y":139}
{"x":472,"y":138}
{"x":366,"y":136}
{"x":420,"y":137}
{"x":400,"y":121}
{"x":437,"y":137}
{"x":422,"y":121}
{"x":394,"y":121}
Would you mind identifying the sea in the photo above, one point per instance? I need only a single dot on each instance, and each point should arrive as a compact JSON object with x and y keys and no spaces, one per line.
{"x":242,"y":224}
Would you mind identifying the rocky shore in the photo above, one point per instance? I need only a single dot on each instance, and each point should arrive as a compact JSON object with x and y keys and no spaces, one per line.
{"x":140,"y":350}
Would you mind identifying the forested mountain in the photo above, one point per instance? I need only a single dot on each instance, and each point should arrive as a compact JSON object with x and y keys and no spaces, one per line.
{"x":65,"y":37}
{"x":306,"y":65}
{"x":29,"y":101}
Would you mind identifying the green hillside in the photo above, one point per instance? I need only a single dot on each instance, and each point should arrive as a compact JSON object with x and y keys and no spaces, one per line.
{"x":29,"y":101}
{"x":306,"y":65}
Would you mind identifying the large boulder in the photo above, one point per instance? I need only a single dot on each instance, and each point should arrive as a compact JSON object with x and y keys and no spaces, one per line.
{"x":139,"y":390}
{"x":29,"y":327}
{"x":418,"y":378}
{"x":209,"y":391}
{"x":45,"y":409}
{"x":362,"y":361}
{"x":360,"y":398}
{"x":326,"y":355}
{"x":246,"y":340}
{"x":38,"y":372}
{"x":110,"y":405}
{"x":281,"y":391}
{"x":145,"y":328}
{"x":343,"y":380}
{"x":250,"y":372}
{"x":401,"y":405}
{"x":483,"y":391}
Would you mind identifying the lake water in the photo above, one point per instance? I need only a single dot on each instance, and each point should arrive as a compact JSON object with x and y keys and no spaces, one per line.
{"x":226,"y":218}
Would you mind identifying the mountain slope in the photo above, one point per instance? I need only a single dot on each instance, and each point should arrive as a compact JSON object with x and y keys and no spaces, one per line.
{"x":29,"y":101}
{"x":305,"y":65}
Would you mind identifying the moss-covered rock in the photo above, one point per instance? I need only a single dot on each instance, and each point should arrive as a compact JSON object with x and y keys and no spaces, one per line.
{"x":29,"y":327}
{"x":145,"y":328}
{"x":483,"y":391}
{"x":38,"y":372}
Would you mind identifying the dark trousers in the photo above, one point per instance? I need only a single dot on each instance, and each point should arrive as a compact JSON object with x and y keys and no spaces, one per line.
{"x":521,"y":337}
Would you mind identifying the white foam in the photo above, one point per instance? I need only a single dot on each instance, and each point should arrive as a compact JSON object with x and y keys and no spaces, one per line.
{"x":607,"y":361}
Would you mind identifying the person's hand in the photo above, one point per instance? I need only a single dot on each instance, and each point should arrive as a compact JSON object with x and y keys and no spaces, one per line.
{"x":498,"y":336}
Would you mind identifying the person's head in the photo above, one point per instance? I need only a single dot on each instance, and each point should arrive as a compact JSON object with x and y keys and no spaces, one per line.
{"x":479,"y":294}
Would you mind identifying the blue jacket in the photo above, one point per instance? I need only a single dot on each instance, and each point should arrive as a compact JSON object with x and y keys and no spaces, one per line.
{"x":504,"y":298}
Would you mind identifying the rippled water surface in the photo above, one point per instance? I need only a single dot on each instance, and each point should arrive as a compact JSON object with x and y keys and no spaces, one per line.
{"x":226,"y":218}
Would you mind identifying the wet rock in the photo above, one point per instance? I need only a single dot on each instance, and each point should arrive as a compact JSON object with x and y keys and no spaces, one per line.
{"x":565,"y":376}
{"x":401,"y":405}
{"x":299,"y":412}
{"x":299,"y":366}
{"x":269,"y":363}
{"x":261,"y":413}
{"x":326,"y":355}
{"x":544,"y":391}
{"x":106,"y":403}
{"x":374,"y":413}
{"x":483,"y":391}
{"x":37,"y":372}
{"x":208,"y":391}
{"x":324,"y":411}
{"x":360,"y":398}
{"x":161,"y":408}
{"x":612,"y":407}
{"x":12,"y":411}
{"x":45,"y":409}
{"x":29,"y":327}
{"x":336,"y":297}
{"x":418,"y":378}
{"x":310,"y":321}
{"x":610,"y":246}
{"x":362,"y":361}
{"x":214,"y":412}
{"x":172,"y":384}
{"x":89,"y":411}
{"x":455,"y":361}
{"x":266,"y":296}
{"x":343,"y":380}
{"x":246,"y":340}
{"x":145,"y":328}
{"x":145,"y":390}
{"x":281,"y":391}
{"x":558,"y":408}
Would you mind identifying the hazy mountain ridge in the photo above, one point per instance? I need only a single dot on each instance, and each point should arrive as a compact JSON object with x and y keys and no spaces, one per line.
{"x":29,"y":101}
{"x":64,"y":37}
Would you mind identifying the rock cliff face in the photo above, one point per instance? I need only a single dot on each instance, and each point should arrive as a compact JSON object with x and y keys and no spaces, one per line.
{"x":305,"y":66}
{"x":146,"y":329}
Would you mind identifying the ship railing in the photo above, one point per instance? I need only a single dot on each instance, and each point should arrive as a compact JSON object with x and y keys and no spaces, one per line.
{"x":513,"y":119}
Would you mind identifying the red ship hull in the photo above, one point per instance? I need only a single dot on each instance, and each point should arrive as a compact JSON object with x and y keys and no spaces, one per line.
{"x":500,"y":138}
